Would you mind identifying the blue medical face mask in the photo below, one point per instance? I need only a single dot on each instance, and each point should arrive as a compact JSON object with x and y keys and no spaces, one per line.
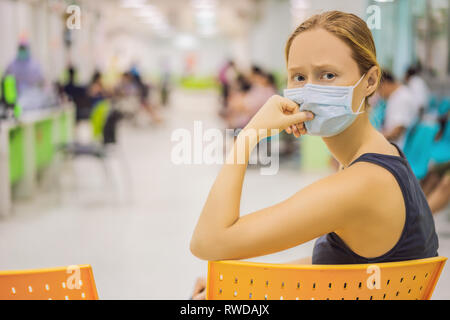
{"x":331,"y":105}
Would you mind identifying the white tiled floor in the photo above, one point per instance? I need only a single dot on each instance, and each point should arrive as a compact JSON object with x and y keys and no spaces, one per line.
{"x":135,"y":232}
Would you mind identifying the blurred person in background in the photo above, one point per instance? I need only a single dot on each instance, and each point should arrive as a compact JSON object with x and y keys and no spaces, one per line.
{"x":77,"y":94}
{"x":401,"y":108}
{"x":418,"y":87}
{"x":236,"y":90}
{"x":227,"y":75}
{"x":272,"y":81}
{"x":143,"y":92}
{"x":96,"y":90}
{"x":165,"y":83}
{"x":436,"y":184}
{"x":241,"y":85}
{"x":372,"y":211}
{"x":25,"y":69}
{"x":144,"y":98}
{"x":126,"y":86}
{"x":436,"y":187}
{"x":130,"y":84}
{"x":244,"y":105}
{"x":70,"y":86}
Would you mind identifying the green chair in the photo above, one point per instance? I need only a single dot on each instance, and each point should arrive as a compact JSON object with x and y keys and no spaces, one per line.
{"x":9,"y":97}
{"x":104,"y":120}
{"x":98,"y":118}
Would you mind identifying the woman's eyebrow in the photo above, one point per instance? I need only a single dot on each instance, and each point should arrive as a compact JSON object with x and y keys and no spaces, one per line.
{"x":295,"y":69}
{"x":314,"y":66}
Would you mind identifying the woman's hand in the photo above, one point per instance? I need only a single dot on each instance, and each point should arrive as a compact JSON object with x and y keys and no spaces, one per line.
{"x":199,"y":289}
{"x":279,"y":113}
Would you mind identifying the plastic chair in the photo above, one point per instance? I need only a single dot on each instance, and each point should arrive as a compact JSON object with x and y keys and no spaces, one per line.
{"x":444,"y":106}
{"x":440,"y":151}
{"x":104,"y":125}
{"x":9,"y":94}
{"x":378,"y":114}
{"x":98,"y":118}
{"x":407,"y":280}
{"x":433,"y":103}
{"x":417,"y":148}
{"x":104,"y":121}
{"x":63,"y":283}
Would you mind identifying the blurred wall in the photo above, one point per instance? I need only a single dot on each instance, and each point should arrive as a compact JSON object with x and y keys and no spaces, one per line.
{"x":269,"y":35}
{"x":251,"y":32}
{"x":9,"y":33}
{"x":280,"y":17}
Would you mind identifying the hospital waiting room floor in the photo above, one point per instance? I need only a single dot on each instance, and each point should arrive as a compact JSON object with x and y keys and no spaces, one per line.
{"x":132,"y":218}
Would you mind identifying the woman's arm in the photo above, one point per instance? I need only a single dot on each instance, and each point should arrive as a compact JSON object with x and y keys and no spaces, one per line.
{"x":325,"y":206}
{"x":322,"y":207}
{"x":221,"y":209}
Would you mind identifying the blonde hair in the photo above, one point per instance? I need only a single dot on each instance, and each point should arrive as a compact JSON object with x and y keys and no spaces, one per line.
{"x":349,"y":28}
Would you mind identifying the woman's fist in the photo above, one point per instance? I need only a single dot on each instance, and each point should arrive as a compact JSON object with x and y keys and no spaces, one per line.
{"x":279,"y":114}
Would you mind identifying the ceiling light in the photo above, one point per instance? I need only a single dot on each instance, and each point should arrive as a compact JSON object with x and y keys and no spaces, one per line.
{"x":132,"y":3}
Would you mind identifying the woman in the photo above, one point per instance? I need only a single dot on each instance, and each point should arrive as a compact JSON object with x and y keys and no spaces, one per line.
{"x":371,"y":211}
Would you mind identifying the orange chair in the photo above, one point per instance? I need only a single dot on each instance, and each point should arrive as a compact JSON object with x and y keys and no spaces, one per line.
{"x":64,"y":283}
{"x":406,"y":280}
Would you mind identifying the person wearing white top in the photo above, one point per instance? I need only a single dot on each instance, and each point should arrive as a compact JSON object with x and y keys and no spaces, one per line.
{"x":402,"y":108}
{"x":418,"y":87}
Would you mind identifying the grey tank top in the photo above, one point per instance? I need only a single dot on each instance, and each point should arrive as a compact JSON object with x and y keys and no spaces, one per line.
{"x":418,"y":239}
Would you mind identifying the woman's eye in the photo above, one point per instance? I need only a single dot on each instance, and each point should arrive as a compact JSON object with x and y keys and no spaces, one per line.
{"x":299,"y":78}
{"x":328,"y":76}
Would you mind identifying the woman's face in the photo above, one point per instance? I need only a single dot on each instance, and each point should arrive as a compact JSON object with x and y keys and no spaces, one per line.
{"x":318,"y":57}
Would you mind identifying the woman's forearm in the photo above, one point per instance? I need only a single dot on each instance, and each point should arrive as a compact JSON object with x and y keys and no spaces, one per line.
{"x":222,"y":206}
{"x":220,"y":215}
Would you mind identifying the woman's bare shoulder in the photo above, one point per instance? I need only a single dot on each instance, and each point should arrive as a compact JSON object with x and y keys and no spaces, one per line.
{"x":360,"y":183}
{"x":368,"y":172}
{"x":355,"y":188}
{"x":371,"y":184}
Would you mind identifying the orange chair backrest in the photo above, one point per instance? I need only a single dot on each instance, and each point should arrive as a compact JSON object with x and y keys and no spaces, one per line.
{"x":65,"y":283}
{"x":239,"y":280}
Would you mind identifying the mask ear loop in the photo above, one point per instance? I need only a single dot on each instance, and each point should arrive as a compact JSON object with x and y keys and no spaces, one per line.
{"x":363,"y":100}
{"x":359,"y":81}
{"x":358,"y":111}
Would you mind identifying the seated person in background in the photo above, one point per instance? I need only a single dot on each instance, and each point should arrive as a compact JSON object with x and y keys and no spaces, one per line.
{"x":96,"y":90}
{"x":418,"y":87}
{"x":143,"y":91}
{"x":227,"y":76}
{"x":436,"y":187}
{"x":244,"y":106}
{"x":436,"y":184}
{"x":78,"y":94}
{"x":70,"y":86}
{"x":237,"y":90}
{"x":131,"y":85}
{"x":401,"y":108}
{"x":272,"y":81}
{"x":126,"y":86}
